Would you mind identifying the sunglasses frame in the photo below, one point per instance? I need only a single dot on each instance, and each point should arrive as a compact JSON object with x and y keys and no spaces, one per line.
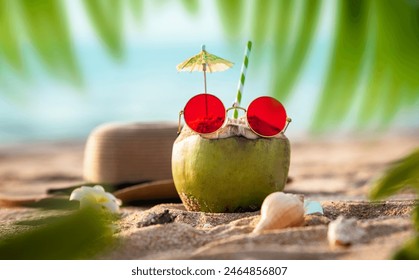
{"x":234,"y":107}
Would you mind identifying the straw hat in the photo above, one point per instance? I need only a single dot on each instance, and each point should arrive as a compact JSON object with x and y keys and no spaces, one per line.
{"x":136,"y":154}
{"x":118,"y":153}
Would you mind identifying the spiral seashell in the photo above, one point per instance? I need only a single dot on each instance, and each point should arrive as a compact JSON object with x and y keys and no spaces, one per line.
{"x":280,"y":210}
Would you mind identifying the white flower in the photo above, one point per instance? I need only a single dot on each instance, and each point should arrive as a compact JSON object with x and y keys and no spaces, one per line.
{"x":96,"y":197}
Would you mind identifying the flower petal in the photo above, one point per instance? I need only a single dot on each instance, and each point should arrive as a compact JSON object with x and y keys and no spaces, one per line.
{"x":114,"y":199}
{"x":99,"y":188}
{"x":96,"y":197}
{"x":78,"y":193}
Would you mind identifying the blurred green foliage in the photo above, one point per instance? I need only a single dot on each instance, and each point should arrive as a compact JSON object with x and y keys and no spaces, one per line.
{"x":374,"y":55}
{"x":107,"y":18}
{"x":81,"y":234}
{"x":44,"y":24}
{"x":403,"y":175}
{"x":410,"y":251}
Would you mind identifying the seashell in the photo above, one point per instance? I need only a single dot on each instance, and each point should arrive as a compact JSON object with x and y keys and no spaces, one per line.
{"x":280,"y":210}
{"x":344,"y":232}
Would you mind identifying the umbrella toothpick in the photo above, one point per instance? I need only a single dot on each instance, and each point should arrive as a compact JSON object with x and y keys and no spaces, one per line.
{"x":204,"y":66}
{"x":204,"y":62}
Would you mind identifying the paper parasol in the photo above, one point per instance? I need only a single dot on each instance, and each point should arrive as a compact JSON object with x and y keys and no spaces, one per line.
{"x":204,"y":62}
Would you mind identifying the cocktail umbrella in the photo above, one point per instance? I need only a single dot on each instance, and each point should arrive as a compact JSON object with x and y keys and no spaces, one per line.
{"x":204,"y":62}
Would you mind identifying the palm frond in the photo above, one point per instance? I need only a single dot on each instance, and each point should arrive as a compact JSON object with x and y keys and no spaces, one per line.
{"x":79,"y":235}
{"x":402,"y":175}
{"x":290,"y":69}
{"x":107,"y":18}
{"x":231,"y":15}
{"x":10,"y":50}
{"x":409,"y":251}
{"x":191,"y":5}
{"x":43,"y":27}
{"x":260,"y":19}
{"x":396,"y":59}
{"x":47,"y":29}
{"x":374,"y":57}
{"x":345,"y":70}
{"x":136,"y":7}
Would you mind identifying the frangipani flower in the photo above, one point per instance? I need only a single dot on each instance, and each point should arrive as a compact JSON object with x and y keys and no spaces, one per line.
{"x":96,"y":197}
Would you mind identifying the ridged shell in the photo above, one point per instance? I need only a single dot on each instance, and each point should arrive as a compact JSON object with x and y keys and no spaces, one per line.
{"x":280,"y":210}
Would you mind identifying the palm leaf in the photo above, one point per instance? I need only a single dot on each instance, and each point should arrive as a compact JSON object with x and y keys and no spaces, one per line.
{"x":261,"y":19}
{"x":136,"y":7}
{"x":288,"y":72}
{"x":191,"y":5}
{"x":106,"y":17}
{"x":409,"y":251}
{"x":373,"y":65}
{"x":402,"y":175}
{"x":231,"y":13}
{"x":9,"y":46}
{"x":44,"y":22}
{"x":395,"y":56}
{"x":79,"y":235}
{"x":346,"y":64}
{"x":282,"y":32}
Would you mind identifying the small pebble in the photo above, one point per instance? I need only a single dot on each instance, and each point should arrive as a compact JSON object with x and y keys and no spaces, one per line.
{"x":164,"y":217}
{"x":344,"y":232}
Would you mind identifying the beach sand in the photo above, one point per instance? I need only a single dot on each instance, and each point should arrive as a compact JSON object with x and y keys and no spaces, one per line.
{"x":337,"y":173}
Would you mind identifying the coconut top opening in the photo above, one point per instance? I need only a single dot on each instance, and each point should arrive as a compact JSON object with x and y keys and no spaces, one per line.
{"x":233,"y":128}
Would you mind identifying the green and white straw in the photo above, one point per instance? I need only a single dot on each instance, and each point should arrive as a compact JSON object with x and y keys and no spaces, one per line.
{"x":242,"y":77}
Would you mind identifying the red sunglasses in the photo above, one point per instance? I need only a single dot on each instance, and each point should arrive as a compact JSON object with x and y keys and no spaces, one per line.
{"x":205,"y":113}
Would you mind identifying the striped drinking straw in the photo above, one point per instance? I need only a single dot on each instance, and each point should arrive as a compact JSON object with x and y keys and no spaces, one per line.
{"x":242,"y":78}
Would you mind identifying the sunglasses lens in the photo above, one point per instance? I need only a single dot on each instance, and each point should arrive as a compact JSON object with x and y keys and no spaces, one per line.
{"x":266,"y":116}
{"x":204,"y":113}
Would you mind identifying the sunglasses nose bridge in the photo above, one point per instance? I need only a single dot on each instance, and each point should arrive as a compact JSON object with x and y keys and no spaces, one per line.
{"x":235,"y":108}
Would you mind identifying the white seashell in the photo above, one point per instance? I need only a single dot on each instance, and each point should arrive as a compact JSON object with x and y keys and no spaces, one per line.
{"x":344,"y":232}
{"x":280,"y":210}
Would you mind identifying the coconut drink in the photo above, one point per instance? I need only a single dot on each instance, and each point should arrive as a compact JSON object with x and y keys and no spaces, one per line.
{"x":230,"y":164}
{"x":230,"y":170}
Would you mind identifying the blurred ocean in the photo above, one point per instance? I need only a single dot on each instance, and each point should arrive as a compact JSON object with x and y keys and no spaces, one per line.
{"x":144,"y":87}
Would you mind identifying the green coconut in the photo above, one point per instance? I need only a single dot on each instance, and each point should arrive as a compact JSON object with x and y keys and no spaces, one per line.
{"x":232,"y":174}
